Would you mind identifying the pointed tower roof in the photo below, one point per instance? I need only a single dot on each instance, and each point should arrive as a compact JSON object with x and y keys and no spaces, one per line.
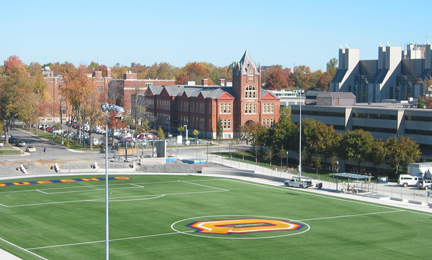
{"x":245,"y":62}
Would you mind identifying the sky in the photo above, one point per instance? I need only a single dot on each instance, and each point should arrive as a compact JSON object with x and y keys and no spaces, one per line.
{"x":276,"y":32}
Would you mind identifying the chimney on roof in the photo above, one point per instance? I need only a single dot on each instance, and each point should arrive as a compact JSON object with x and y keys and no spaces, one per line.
{"x":221,"y":82}
{"x":108,"y":73}
{"x":204,"y":82}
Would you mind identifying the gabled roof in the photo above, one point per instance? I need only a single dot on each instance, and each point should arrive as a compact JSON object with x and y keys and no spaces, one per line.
{"x":155,"y":90}
{"x":267,"y":95}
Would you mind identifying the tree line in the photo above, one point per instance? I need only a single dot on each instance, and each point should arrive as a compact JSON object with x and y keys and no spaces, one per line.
{"x":272,"y":77}
{"x":321,"y":145}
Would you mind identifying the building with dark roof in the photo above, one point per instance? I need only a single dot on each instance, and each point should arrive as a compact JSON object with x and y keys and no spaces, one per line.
{"x":200,"y":107}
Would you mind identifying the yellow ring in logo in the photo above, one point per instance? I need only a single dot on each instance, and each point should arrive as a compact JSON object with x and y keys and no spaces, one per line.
{"x":241,"y":226}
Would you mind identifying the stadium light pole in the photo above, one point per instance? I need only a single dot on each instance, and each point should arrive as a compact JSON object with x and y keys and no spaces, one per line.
{"x":300,"y":132}
{"x":107,"y":108}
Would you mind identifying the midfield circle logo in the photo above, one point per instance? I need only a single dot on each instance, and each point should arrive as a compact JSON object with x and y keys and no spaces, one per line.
{"x":243,"y":225}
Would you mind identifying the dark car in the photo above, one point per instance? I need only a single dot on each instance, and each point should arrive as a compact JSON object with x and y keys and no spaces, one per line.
{"x":20,"y":143}
{"x":110,"y":149}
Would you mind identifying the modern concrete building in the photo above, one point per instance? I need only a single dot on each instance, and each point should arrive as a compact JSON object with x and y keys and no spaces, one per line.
{"x":382,"y":120}
{"x":201,"y":107}
{"x":395,"y":75}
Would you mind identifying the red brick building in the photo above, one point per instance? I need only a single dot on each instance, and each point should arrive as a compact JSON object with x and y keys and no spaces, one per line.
{"x":57,"y":103}
{"x":123,"y":91}
{"x":200,"y":107}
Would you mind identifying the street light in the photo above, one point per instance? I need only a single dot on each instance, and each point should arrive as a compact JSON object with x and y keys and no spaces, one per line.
{"x":287,"y":160}
{"x":186,"y":133}
{"x":337,"y":167}
{"x":107,"y":108}
{"x":61,"y":121}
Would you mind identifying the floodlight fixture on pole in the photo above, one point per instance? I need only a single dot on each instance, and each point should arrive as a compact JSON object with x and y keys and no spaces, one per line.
{"x":186,"y":132}
{"x":107,"y":108}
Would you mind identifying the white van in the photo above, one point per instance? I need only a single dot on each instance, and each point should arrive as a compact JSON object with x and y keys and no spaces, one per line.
{"x":408,"y":180}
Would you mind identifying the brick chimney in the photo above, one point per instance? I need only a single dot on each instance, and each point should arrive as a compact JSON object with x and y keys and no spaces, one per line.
{"x":108,"y":73}
{"x":204,"y":82}
{"x":221,"y":82}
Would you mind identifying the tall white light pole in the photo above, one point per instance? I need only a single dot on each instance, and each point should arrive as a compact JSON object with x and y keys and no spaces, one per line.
{"x":186,"y":132}
{"x":107,"y":108}
{"x":300,"y":152}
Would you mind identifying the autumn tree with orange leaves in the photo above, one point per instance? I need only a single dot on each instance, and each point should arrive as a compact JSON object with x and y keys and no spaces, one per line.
{"x":20,"y":93}
{"x":78,"y":86}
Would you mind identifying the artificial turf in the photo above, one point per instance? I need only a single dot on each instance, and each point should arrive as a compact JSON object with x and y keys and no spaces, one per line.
{"x":150,"y":218}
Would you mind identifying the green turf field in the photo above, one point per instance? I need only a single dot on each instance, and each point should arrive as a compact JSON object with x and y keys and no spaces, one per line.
{"x":194,"y":217}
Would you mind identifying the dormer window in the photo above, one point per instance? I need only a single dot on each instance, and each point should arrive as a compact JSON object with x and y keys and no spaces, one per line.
{"x":250,"y":72}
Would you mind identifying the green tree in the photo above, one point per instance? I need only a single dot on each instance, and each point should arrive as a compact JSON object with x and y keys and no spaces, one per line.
{"x":378,"y":153}
{"x":401,"y":151}
{"x":300,"y":77}
{"x":420,"y":103}
{"x":332,"y":64}
{"x":181,"y":129}
{"x":160,"y":133}
{"x":356,"y":145}
{"x":196,"y":134}
{"x":219,"y":129}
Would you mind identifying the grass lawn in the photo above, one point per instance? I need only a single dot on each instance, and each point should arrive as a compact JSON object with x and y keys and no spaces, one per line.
{"x":194,"y":217}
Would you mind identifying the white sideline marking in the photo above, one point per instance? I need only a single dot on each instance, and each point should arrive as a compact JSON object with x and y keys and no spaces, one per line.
{"x":133,"y":184}
{"x":356,"y":215}
{"x":25,"y":250}
{"x":103,"y":241}
{"x":42,"y":191}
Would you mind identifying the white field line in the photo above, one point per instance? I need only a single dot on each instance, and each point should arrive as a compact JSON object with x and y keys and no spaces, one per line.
{"x":82,"y":191}
{"x":356,"y":215}
{"x":133,"y":184}
{"x":43,"y":192}
{"x":119,"y":199}
{"x":103,"y":241}
{"x":80,"y":187}
{"x":139,"y":237}
{"x":211,"y":187}
{"x":25,"y":250}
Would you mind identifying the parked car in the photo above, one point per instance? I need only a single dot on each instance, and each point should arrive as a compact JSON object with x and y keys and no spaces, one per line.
{"x":425,"y":184}
{"x":110,"y":149}
{"x":20,"y":143}
{"x":303,"y":179}
{"x":30,"y":149}
{"x":408,"y":180}
{"x":295,"y":183}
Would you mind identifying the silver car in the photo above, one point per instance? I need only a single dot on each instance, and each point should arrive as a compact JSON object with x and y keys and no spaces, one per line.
{"x":425,"y":184}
